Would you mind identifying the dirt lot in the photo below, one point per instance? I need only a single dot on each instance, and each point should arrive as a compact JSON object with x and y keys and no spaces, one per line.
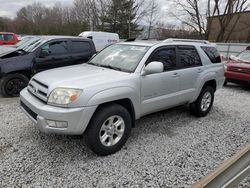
{"x":169,"y":148}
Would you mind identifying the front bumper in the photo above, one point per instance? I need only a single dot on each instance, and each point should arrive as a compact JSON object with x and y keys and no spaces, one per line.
{"x":237,"y":76}
{"x":39,"y":112}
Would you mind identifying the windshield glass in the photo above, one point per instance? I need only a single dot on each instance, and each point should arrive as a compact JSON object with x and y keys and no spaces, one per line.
{"x":244,"y":55}
{"x":33,"y":45}
{"x":27,"y":43}
{"x":22,"y":42}
{"x":120,"y":57}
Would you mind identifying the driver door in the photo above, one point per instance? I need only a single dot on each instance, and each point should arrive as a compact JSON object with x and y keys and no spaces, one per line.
{"x":160,"y":90}
{"x":52,"y":55}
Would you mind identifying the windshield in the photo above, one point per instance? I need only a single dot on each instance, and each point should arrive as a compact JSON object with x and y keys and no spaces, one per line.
{"x":33,"y":45}
{"x":22,"y":42}
{"x":120,"y":57}
{"x":27,"y":43}
{"x":244,"y":55}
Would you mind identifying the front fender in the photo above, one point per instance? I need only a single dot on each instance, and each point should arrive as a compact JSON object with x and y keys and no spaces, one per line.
{"x":115,"y":94}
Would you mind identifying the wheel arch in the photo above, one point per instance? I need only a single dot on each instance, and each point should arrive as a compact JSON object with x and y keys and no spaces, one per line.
{"x":209,"y":82}
{"x":126,"y":103}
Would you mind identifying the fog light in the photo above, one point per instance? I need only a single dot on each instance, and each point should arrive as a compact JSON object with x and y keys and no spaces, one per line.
{"x":57,"y":124}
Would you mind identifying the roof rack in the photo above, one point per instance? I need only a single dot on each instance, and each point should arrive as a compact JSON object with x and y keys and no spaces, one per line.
{"x":186,"y":40}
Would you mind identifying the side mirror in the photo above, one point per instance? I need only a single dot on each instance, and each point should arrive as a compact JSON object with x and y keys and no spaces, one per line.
{"x":44,"y":53}
{"x":153,"y":67}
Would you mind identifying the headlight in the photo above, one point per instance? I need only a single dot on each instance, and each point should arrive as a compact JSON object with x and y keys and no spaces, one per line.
{"x":64,"y":96}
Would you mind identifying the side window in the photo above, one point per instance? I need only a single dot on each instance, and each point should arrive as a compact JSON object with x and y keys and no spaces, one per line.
{"x":212,"y":54}
{"x":1,"y":37}
{"x":8,"y":37}
{"x":188,"y":57}
{"x":56,"y":48}
{"x":167,"y":56}
{"x":80,"y":46}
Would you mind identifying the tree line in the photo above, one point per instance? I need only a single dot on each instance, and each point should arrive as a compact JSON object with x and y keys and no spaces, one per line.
{"x":121,"y":16}
{"x":129,"y":18}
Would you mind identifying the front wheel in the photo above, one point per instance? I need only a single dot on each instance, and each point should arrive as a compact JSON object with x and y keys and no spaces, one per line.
{"x":109,"y":129}
{"x":12,"y":84}
{"x":202,"y":106}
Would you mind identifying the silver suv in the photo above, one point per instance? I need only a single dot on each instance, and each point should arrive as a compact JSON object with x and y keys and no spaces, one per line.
{"x":124,"y":82}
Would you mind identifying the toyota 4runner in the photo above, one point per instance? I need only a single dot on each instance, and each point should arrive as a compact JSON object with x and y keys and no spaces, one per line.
{"x":102,"y":98}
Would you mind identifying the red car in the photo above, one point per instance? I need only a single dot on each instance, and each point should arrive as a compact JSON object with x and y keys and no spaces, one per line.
{"x":8,"y":38}
{"x":237,"y":69}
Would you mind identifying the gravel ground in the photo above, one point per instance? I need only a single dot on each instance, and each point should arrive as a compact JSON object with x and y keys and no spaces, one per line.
{"x":166,"y":149}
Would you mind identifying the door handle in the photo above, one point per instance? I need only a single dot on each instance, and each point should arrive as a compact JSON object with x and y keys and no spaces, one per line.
{"x":175,"y":75}
{"x":199,"y":70}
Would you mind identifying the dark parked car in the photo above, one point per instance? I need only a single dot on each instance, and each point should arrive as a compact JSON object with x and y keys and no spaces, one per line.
{"x":26,"y":42}
{"x":18,"y":66}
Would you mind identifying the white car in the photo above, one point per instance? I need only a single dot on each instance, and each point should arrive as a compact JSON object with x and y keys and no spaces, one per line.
{"x":101,"y":39}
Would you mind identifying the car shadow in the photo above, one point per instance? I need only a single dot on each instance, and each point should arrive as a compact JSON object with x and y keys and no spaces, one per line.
{"x":163,"y":123}
{"x":238,"y":87}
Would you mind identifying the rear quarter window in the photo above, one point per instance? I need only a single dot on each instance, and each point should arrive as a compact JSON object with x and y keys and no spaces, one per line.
{"x":80,"y":46}
{"x":212,"y":53}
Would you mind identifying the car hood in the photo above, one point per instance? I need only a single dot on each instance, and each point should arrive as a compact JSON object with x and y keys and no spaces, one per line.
{"x":240,"y":64}
{"x":6,"y":50}
{"x":78,"y":76}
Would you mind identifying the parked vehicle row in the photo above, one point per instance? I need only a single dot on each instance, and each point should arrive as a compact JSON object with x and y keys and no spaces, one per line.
{"x":103,"y":97}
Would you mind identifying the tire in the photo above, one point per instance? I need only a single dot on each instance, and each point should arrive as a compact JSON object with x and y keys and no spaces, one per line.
{"x":225,"y":83}
{"x":101,"y":126}
{"x":198,"y":108}
{"x":12,"y":84}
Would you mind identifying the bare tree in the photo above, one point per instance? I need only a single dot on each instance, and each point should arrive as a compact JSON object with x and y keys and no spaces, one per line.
{"x":151,"y":16}
{"x":195,"y":15}
{"x":191,"y":13}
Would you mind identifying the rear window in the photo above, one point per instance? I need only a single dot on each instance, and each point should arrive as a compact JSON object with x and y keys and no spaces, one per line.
{"x":6,"y":37}
{"x":212,"y":54}
{"x":80,"y":46}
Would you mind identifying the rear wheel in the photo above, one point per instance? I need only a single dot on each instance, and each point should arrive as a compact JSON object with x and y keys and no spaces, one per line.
{"x":12,"y":84}
{"x":202,"y":106}
{"x":225,"y":83}
{"x":109,"y":129}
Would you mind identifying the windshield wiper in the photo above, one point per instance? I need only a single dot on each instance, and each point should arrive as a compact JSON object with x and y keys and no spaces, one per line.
{"x":107,"y":66}
{"x":110,"y":67}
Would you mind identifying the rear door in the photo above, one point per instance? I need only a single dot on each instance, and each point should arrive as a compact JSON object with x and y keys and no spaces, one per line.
{"x":190,"y":69}
{"x":81,"y":51}
{"x":52,"y":54}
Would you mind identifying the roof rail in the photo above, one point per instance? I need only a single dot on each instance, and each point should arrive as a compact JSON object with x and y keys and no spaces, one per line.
{"x":186,"y":40}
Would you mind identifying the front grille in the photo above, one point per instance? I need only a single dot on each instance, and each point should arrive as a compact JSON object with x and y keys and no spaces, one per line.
{"x":29,"y":111}
{"x":239,"y":69}
{"x":40,"y":83}
{"x":38,"y":89}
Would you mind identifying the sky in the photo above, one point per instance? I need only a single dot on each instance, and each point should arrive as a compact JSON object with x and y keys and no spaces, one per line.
{"x":8,"y":8}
